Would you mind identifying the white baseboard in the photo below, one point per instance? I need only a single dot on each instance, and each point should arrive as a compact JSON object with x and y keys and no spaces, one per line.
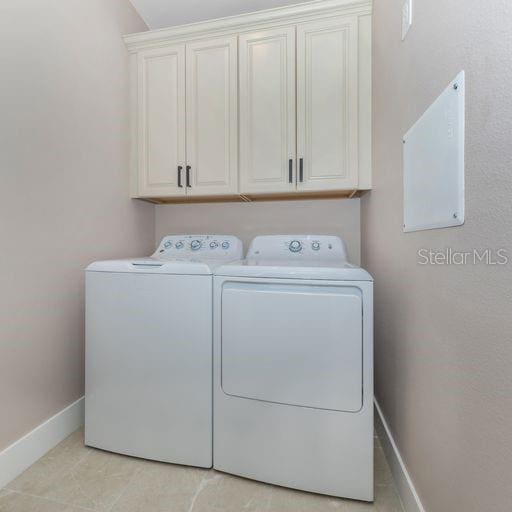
{"x":25,"y":451}
{"x":403,"y":482}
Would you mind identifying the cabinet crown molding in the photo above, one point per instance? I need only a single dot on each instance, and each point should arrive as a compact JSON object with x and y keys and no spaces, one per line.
{"x":306,"y":11}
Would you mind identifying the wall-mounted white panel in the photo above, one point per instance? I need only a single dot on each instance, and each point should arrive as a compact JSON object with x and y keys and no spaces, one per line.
{"x":433,"y":160}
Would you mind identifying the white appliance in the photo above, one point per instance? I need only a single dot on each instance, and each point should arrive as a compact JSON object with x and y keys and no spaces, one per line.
{"x":293,"y":367}
{"x":148,"y":353}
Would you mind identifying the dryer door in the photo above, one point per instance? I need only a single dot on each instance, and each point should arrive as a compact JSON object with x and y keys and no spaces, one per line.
{"x":295,"y":344}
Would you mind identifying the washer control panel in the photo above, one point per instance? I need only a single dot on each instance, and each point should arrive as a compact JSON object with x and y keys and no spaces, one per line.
{"x":304,"y":247}
{"x":221,"y":247}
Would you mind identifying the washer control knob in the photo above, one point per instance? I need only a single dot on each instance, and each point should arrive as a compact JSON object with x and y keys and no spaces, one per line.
{"x":167,"y":245}
{"x":179,"y":245}
{"x":315,"y":246}
{"x":225,"y":245}
{"x":195,"y":245}
{"x":214,"y":245}
{"x":295,"y":246}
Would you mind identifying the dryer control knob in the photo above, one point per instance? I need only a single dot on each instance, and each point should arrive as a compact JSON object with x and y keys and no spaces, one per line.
{"x":178,"y":245}
{"x":195,"y":245}
{"x":295,"y":246}
{"x":214,"y":245}
{"x":225,"y":245}
{"x":315,"y":246}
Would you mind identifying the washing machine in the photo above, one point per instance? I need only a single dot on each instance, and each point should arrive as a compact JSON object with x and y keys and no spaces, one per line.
{"x":293,"y":367}
{"x":148,"y":350}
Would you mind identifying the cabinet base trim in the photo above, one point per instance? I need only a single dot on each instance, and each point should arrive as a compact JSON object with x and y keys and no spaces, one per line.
{"x":248,"y":198}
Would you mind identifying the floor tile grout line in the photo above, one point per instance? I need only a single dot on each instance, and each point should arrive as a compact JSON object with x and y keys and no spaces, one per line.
{"x":51,"y":500}
{"x":82,"y":459}
{"x":75,"y":479}
{"x":122,"y":493}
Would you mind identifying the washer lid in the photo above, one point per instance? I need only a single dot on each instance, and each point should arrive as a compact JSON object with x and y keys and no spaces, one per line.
{"x":179,"y":254}
{"x":334,"y":271}
{"x":155,"y":266}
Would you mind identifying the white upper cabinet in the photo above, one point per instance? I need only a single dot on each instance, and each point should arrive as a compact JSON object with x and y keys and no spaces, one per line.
{"x":327,"y":104}
{"x":267,"y":111}
{"x":212,"y":120}
{"x":161,"y":120}
{"x":275,"y":102}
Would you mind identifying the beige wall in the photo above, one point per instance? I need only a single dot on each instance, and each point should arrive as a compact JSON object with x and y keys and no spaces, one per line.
{"x":246,"y":220}
{"x":63,"y":191}
{"x":444,"y":334}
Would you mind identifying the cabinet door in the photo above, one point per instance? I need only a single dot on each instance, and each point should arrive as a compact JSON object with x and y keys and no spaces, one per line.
{"x":161,"y":121}
{"x":212,"y":131}
{"x":327,"y":104}
{"x":267,"y":111}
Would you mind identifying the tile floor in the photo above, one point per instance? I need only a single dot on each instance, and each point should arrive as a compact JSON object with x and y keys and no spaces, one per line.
{"x":74,"y":478}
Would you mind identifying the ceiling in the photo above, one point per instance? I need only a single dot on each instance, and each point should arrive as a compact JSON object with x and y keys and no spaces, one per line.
{"x":166,"y":13}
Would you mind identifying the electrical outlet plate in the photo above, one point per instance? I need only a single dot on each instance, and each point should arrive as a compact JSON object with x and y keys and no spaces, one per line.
{"x":406,"y":17}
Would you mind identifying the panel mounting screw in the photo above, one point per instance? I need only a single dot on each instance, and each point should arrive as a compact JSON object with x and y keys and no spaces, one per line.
{"x":455,"y":86}
{"x":454,"y":215}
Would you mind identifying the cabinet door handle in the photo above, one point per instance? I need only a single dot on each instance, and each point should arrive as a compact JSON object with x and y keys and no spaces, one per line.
{"x":179,"y":176}
{"x":188,"y":176}
{"x":290,"y":171}
{"x":301,"y":170}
